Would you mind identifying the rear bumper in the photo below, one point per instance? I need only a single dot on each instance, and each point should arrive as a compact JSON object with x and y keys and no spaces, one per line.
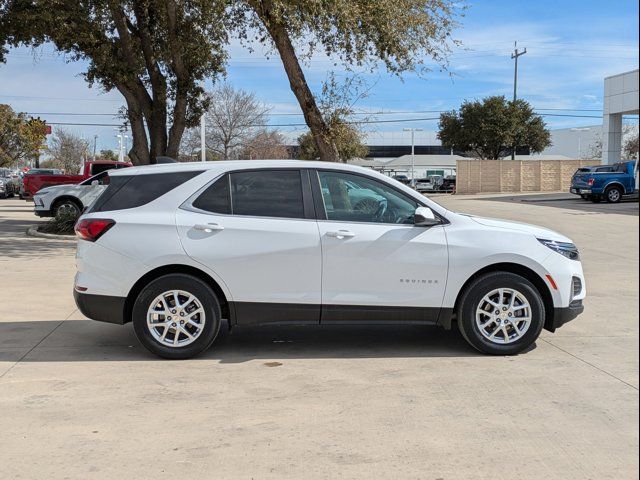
{"x":102,"y":308}
{"x":565,"y":314}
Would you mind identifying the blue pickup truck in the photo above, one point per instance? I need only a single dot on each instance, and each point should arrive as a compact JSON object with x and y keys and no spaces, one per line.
{"x":605,"y":182}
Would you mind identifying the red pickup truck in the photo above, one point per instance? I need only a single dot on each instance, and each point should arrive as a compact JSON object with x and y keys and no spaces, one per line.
{"x":32,"y":182}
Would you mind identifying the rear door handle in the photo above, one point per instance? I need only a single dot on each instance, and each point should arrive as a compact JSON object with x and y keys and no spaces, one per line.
{"x":208,"y":227}
{"x":340,"y":234}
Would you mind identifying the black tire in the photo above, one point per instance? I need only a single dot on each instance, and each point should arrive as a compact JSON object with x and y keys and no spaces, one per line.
{"x":3,"y":195}
{"x":613,"y":194}
{"x":584,"y":196}
{"x":204,"y":295}
{"x":471,"y":300}
{"x":66,"y":204}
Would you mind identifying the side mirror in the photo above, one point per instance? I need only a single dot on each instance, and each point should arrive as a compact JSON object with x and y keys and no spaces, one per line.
{"x":95,"y":182}
{"x":424,"y":217}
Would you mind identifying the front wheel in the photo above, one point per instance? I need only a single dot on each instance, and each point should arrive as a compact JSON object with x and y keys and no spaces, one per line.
{"x":176,"y":316}
{"x":501,"y":313}
{"x":66,"y":207}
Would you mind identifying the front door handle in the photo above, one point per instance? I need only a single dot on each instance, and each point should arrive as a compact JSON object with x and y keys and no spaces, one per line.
{"x":340,"y":234}
{"x":208,"y":227}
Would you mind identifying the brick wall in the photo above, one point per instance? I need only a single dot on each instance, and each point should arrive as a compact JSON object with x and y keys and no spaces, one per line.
{"x":494,"y":176}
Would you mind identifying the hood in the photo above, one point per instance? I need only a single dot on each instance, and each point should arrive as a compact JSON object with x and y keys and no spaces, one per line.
{"x":538,"y":232}
{"x":53,"y":188}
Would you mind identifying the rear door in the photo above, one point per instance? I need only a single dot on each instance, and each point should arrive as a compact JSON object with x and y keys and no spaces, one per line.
{"x":256,"y":230}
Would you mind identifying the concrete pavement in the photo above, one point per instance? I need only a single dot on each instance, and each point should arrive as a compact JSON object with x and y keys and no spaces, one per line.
{"x":79,"y":399}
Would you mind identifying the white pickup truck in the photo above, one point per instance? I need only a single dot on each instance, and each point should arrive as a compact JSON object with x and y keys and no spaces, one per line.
{"x":71,"y":199}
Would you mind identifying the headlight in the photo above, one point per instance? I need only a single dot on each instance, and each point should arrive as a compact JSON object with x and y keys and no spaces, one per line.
{"x":569,"y":250}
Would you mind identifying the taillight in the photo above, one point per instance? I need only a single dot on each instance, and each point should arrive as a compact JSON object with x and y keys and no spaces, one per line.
{"x":91,"y":229}
{"x":591,"y":181}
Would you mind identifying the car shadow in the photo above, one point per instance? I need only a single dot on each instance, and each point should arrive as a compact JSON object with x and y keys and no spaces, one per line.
{"x":85,"y":340}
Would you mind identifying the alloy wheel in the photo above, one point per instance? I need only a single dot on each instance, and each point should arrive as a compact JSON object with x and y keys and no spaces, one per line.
{"x":503,"y":315}
{"x":176,"y":318}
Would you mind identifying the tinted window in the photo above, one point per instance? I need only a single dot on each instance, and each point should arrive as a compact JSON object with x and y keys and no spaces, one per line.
{"x":355,"y":198}
{"x":130,"y":191}
{"x":103,"y":167}
{"x":267,"y":193}
{"x":216,"y":197}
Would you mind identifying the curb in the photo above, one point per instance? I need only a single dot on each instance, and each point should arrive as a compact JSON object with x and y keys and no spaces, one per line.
{"x":33,"y":232}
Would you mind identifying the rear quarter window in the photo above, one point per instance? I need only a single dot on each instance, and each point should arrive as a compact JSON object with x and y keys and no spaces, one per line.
{"x":131,"y":191}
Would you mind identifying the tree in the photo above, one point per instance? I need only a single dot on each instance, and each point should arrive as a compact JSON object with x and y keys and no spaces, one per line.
{"x":108,"y":155}
{"x":21,"y":137}
{"x":630,"y":143}
{"x":154,"y":52}
{"x":491,"y":128}
{"x":232,"y":119}
{"x":67,"y":151}
{"x":400,"y":34}
{"x":265,"y":144}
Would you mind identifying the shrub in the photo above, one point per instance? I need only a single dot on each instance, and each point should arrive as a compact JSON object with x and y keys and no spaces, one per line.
{"x":61,"y":225}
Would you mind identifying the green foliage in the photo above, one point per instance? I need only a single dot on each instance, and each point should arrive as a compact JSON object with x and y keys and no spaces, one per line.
{"x":357,"y":33}
{"x":337,"y":104}
{"x":154,"y":52}
{"x":21,"y":137}
{"x":490,"y":128}
{"x":60,"y":225}
{"x":107,"y":154}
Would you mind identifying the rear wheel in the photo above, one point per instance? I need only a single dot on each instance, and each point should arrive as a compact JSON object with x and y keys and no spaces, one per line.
{"x":613,"y":194}
{"x":176,"y":316}
{"x":501,"y":313}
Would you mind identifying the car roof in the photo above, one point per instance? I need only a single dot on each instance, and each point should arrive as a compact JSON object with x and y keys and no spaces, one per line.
{"x":227,"y":165}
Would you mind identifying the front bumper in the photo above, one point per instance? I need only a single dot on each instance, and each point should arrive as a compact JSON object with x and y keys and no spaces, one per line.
{"x":102,"y":308}
{"x":565,"y":314}
{"x":43,"y":213}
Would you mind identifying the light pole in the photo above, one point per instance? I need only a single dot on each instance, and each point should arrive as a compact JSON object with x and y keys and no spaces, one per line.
{"x":585,"y":129}
{"x":515,"y":56}
{"x":413,"y":156}
{"x":95,"y":143}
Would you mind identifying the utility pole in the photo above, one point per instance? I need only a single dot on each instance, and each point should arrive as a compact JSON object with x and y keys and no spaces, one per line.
{"x":203,"y":148}
{"x":95,"y":143}
{"x":515,"y":56}
{"x":413,"y":157}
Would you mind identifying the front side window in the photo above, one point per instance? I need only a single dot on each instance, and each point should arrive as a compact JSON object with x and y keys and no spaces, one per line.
{"x":101,"y":178}
{"x":354,"y":198}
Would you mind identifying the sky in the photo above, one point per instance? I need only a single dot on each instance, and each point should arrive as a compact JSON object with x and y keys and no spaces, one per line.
{"x":571,"y":46}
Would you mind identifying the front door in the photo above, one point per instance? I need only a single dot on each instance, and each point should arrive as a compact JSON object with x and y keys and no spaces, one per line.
{"x":377,"y":266}
{"x":256,"y":231}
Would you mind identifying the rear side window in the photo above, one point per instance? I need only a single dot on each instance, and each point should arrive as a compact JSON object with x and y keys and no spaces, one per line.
{"x":262,"y":193}
{"x":131,"y":191}
{"x":267,"y":193}
{"x":216,"y":197}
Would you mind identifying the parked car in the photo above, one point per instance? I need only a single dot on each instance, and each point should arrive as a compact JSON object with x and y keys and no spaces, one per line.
{"x":32,"y":182}
{"x":70,"y":199}
{"x":610,"y":183}
{"x":7,"y":183}
{"x":449,"y":183}
{"x":256,"y":242}
{"x":402,"y":179}
{"x":424,"y":185}
{"x":36,"y":172}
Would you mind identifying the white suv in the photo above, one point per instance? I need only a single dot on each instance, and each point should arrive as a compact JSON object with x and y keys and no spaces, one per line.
{"x":176,"y":248}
